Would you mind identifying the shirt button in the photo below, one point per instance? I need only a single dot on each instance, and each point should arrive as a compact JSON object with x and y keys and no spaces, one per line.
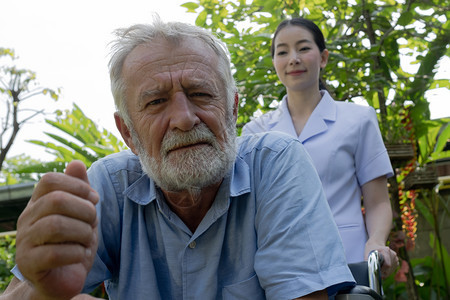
{"x":192,"y":244}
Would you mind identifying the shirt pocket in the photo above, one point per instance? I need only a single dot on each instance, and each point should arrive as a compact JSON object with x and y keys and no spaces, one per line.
{"x":352,"y":234}
{"x":247,"y":289}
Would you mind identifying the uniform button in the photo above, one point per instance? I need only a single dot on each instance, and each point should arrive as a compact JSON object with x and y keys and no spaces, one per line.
{"x":192,"y":244}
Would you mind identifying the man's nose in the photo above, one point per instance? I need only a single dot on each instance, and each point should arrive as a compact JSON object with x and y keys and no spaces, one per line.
{"x":182,"y":113}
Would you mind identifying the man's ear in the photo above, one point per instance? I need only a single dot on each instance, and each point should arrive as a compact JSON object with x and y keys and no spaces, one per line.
{"x":124,"y":132}
{"x":236,"y":106}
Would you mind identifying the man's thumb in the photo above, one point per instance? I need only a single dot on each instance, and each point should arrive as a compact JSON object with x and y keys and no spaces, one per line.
{"x":77,"y":169}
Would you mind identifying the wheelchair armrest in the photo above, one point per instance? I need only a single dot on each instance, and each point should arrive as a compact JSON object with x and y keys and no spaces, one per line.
{"x":360,"y":272}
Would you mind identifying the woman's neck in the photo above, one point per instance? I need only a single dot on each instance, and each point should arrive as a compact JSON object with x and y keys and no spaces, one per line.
{"x":301,"y":104}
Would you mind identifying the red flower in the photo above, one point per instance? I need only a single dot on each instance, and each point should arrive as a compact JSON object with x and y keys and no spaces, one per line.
{"x":400,"y":276}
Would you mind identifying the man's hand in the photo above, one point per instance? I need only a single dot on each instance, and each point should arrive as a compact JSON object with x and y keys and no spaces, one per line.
{"x":57,"y":234}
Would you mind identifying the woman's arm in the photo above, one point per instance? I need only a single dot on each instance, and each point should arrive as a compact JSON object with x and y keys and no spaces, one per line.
{"x":378,"y":218}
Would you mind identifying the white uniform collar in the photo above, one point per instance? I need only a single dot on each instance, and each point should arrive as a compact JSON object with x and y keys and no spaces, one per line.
{"x":324,"y":111}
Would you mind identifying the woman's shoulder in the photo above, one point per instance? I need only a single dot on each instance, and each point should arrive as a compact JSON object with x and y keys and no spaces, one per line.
{"x":352,"y":106}
{"x":262,"y":123}
{"x":355,"y":111}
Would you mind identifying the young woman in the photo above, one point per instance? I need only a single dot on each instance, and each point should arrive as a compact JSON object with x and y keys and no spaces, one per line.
{"x":342,"y":138}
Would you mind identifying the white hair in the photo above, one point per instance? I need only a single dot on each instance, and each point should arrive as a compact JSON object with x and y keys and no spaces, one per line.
{"x":174,"y":32}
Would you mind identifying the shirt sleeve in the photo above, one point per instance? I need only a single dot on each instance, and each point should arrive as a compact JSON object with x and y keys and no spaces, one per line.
{"x":371,"y":157}
{"x":299,"y":247}
{"x":15,"y":270}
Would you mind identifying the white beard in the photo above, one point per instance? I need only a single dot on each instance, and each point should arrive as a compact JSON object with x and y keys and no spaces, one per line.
{"x":191,"y":168}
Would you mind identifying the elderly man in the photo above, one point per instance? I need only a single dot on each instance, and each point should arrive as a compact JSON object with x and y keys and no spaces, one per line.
{"x":191,"y":212}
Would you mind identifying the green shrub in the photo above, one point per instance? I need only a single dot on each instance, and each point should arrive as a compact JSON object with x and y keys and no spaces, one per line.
{"x":7,"y":259}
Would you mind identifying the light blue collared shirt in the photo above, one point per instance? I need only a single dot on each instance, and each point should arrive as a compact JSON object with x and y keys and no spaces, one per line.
{"x":265,"y":236}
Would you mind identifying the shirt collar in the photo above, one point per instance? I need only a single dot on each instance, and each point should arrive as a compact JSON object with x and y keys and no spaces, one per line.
{"x":324,"y":112}
{"x":281,"y":119}
{"x":143,"y":190}
{"x":326,"y":108}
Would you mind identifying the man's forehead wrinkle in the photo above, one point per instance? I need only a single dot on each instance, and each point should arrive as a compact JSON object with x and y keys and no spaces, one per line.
{"x":188,"y":72}
{"x":170,"y":64}
{"x":162,"y":68}
{"x":194,"y":72}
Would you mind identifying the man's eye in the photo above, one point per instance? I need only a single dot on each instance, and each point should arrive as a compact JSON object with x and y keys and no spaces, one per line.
{"x":155,"y":102}
{"x":200,"y":94}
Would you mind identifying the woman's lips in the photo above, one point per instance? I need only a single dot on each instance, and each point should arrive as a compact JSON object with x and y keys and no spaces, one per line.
{"x":296,"y":72}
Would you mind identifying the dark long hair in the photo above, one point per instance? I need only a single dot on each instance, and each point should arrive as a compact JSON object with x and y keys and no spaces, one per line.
{"x":311,"y":27}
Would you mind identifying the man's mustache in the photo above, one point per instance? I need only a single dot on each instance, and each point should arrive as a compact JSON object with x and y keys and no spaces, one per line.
{"x":177,"y":139}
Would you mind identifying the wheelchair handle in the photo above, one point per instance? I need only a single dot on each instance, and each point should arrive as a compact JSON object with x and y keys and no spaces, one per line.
{"x":374,"y":262}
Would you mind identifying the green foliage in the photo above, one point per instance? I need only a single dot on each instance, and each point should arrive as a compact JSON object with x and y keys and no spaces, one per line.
{"x":81,"y":139}
{"x":432,"y":272}
{"x":7,"y":52}
{"x":9,"y":174}
{"x":16,"y":86}
{"x":428,"y":275}
{"x":7,"y":259}
{"x":394,"y":128}
{"x":100,"y":292}
{"x":365,"y":38}
{"x":432,"y":144}
{"x":435,"y":210}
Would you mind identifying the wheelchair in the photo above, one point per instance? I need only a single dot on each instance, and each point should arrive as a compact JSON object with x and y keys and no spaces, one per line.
{"x":367,"y":275}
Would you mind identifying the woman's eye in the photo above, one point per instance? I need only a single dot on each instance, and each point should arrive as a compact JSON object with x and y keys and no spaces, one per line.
{"x":282,"y":53}
{"x":304,"y":49}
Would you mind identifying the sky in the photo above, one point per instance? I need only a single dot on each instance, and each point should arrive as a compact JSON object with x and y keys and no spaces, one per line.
{"x":66,"y":44}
